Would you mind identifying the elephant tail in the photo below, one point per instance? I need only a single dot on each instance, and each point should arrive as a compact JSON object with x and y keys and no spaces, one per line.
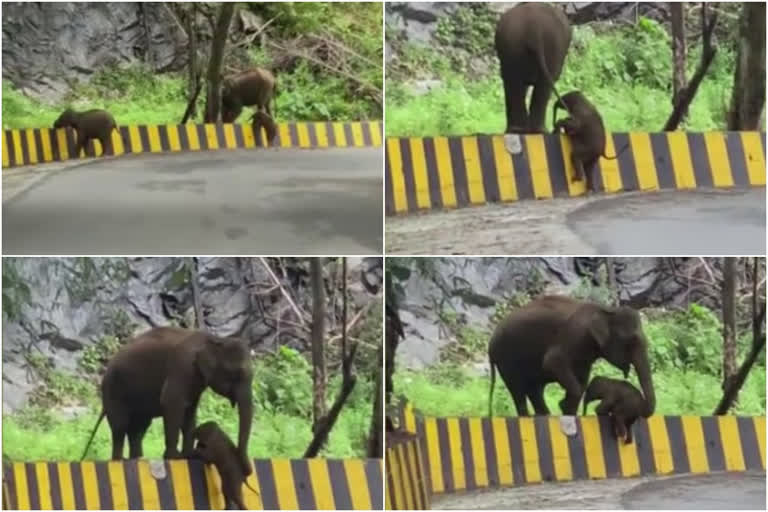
{"x":548,"y":77}
{"x":93,"y":433}
{"x":493,"y":381}
{"x":249,"y":486}
{"x":614,"y":157}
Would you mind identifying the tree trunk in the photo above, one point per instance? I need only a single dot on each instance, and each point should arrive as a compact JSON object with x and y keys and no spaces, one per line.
{"x":196,"y":299}
{"x":729,"y":319}
{"x":376,"y":436}
{"x":733,"y":385}
{"x":611,"y":278}
{"x":678,"y":49}
{"x":193,"y":73}
{"x":708,"y":52}
{"x":318,"y":342}
{"x":748,"y":97}
{"x":213,"y":100}
{"x":324,"y":425}
{"x":147,"y":35}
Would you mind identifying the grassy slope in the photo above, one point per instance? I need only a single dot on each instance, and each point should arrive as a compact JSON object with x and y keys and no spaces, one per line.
{"x":136,"y":96}
{"x":623,"y":71}
{"x":281,"y":427}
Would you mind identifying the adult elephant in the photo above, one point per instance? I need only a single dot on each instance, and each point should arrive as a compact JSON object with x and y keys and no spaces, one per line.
{"x":556,"y":339}
{"x":531,"y":42}
{"x":162,"y":373}
{"x":255,"y":87}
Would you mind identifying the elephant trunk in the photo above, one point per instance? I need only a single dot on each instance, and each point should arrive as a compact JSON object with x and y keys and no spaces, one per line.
{"x":643,"y":369}
{"x":245,"y":412}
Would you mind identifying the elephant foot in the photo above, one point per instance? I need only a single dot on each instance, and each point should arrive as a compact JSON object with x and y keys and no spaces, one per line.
{"x":173,"y":455}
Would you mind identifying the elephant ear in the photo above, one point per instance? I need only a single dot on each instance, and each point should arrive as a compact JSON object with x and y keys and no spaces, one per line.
{"x":206,"y":358}
{"x":600,"y":329}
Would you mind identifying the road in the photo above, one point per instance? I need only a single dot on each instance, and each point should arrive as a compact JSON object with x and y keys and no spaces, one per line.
{"x":666,"y":223}
{"x":265,"y":201}
{"x":734,"y":491}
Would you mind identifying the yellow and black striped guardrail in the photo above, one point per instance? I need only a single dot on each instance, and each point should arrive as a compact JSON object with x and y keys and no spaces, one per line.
{"x":281,"y":484}
{"x":473,"y":453}
{"x":424,"y":173}
{"x":407,"y":487}
{"x":40,"y":145}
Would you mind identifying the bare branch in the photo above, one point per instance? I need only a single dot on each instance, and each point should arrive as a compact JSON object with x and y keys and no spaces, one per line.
{"x":283,"y":291}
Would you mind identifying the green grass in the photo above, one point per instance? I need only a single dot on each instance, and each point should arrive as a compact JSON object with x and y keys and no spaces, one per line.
{"x":281,"y":425}
{"x":624,"y":72}
{"x":435,"y":393}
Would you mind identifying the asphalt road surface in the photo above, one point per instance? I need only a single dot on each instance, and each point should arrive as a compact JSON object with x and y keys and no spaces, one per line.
{"x":666,"y":223}
{"x":266,"y":202}
{"x":734,"y":491}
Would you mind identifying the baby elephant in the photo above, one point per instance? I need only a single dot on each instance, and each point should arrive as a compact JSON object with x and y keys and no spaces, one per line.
{"x":215,"y":447}
{"x":91,"y":124}
{"x":260,"y":119}
{"x":587,"y":133}
{"x":620,"y":400}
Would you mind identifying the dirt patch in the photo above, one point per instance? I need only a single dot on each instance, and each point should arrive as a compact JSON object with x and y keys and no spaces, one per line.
{"x":524,"y":227}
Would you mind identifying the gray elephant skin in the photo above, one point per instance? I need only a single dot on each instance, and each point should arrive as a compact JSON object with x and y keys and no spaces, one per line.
{"x":619,"y":400}
{"x":586,"y":131}
{"x":162,"y":373}
{"x":255,"y":87}
{"x":90,"y":124}
{"x":557,"y":339}
{"x":531,"y":41}
{"x":213,"y":446}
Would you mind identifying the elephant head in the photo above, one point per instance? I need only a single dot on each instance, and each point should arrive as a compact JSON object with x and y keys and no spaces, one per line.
{"x":225,"y":366}
{"x":618,"y":333}
{"x":65,"y":120}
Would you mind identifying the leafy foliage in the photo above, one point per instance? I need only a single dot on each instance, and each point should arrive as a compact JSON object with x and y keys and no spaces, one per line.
{"x":15,"y":290}
{"x":136,"y":95}
{"x":634,"y":59}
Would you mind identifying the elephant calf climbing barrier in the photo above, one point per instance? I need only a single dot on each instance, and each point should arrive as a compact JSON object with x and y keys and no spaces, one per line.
{"x":424,"y":173}
{"x":299,"y":484}
{"x":40,"y":145}
{"x":472,"y":453}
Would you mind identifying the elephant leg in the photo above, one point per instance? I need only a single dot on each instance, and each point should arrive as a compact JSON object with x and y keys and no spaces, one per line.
{"x":518,"y":393}
{"x":578,"y":168}
{"x":536,"y":395}
{"x":267,"y":109}
{"x":172,"y":421}
{"x":604,"y":408}
{"x":190,"y":418}
{"x":80,"y":143}
{"x":621,"y":429}
{"x":590,"y":167}
{"x":514,"y":100}
{"x":104,"y":145}
{"x":538,"y":111}
{"x":628,"y":428}
{"x":173,"y":401}
{"x":118,"y":441}
{"x":557,"y":364}
{"x":136,"y":435}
